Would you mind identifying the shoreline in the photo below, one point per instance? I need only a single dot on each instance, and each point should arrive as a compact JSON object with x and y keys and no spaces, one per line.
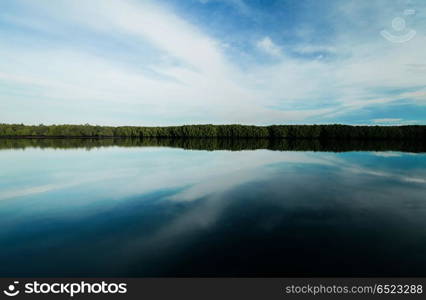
{"x":211,"y":144}
{"x":211,"y":138}
{"x":323,"y":132}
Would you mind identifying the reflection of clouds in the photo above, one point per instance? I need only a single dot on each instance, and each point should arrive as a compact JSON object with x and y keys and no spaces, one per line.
{"x":325,"y":183}
{"x":31,"y":191}
{"x":214,"y":184}
{"x":78,"y":183}
{"x":348,"y":167}
{"x":86,"y":178}
{"x":201,"y":217}
{"x":209,"y":181}
{"x":150,"y":171}
{"x":237,"y":168}
{"x":415,"y":180}
{"x":394,"y":176}
{"x":315,"y":200}
{"x":82,"y":183}
{"x":125,"y":172}
{"x":111,"y":175}
{"x":387,"y":154}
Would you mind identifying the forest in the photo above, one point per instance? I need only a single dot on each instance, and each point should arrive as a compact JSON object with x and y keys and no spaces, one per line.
{"x":336,"y":131}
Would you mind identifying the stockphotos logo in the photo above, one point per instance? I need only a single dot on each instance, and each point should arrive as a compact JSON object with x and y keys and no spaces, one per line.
{"x":12,"y":290}
{"x":70,"y":289}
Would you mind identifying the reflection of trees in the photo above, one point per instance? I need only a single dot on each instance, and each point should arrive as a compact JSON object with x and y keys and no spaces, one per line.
{"x":210,"y":144}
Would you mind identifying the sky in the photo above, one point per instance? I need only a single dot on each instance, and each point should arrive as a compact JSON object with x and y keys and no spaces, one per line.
{"x":174,"y":62}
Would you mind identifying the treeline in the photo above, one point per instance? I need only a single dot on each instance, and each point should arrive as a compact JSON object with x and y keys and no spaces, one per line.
{"x":211,"y":144}
{"x":219,"y":131}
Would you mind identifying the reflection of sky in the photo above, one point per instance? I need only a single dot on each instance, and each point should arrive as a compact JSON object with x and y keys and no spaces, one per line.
{"x":147,"y":204}
{"x":118,"y":173}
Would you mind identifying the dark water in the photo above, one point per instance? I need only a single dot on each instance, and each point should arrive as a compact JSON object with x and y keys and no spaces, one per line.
{"x":156,"y":208}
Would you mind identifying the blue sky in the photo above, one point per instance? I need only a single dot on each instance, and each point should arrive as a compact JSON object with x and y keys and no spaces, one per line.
{"x":170,"y":62}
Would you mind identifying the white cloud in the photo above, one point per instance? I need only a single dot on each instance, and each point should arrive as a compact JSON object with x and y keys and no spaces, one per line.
{"x":268,"y":46}
{"x":195,"y":81}
{"x":309,"y":49}
{"x":387,"y":120}
{"x":204,"y":79}
{"x":240,"y":5}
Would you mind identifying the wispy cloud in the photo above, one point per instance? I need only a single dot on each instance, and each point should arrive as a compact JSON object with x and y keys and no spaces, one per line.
{"x":142,"y":62}
{"x":387,"y":120}
{"x":268,"y":46}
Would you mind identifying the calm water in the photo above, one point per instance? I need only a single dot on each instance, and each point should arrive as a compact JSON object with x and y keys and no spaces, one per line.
{"x":166,"y":211}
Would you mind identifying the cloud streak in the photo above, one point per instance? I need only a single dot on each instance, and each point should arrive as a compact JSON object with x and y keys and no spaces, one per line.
{"x":143,"y":63}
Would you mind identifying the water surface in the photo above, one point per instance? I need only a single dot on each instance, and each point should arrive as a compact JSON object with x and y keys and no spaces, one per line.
{"x":138,"y":208}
